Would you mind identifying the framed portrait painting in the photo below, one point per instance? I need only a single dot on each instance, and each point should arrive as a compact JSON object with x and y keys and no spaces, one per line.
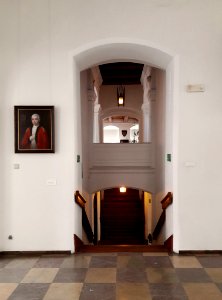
{"x":34,"y":129}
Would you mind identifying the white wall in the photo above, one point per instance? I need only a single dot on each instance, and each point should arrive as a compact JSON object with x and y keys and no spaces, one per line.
{"x":37,"y":37}
{"x":120,"y":127}
{"x":39,"y":217}
{"x":86,"y":113}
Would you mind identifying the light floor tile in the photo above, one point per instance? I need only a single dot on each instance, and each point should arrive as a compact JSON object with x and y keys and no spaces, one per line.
{"x":6,"y":290}
{"x":40,"y":275}
{"x":101,"y":275}
{"x":202,"y":291}
{"x":185,"y":262}
{"x":161,"y":275}
{"x":215,"y":274}
{"x":64,"y":291}
{"x":132,"y":291}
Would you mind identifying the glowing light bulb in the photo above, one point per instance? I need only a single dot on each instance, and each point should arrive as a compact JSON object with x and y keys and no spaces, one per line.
{"x":122,"y":189}
{"x":120,"y":100}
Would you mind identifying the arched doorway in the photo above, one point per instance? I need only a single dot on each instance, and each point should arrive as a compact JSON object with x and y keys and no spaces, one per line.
{"x":113,"y":50}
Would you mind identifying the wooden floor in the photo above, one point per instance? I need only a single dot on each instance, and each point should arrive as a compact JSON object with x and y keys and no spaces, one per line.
{"x":121,"y":248}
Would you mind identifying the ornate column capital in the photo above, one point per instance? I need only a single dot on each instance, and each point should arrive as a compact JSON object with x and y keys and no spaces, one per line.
{"x":97,"y":78}
{"x":146,"y":73}
{"x":91,"y":95}
{"x":146,"y":107}
{"x":97,"y":108}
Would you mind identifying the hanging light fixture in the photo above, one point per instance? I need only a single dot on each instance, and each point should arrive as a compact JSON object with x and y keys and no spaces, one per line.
{"x":122,"y":189}
{"x":120,"y":95}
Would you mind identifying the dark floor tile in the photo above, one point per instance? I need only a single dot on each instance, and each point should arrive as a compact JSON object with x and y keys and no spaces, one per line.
{"x":4,"y":261}
{"x":102,"y":291}
{"x":219,"y":285}
{"x":22,"y":263}
{"x":30,"y":291}
{"x":49,"y":262}
{"x":103,"y":262}
{"x":162,"y":275}
{"x":131,"y":275}
{"x":130,"y":254}
{"x":192,"y":275}
{"x":210,"y":261}
{"x":71,"y":275}
{"x":136,"y":262}
{"x":169,"y":291}
{"x":12,"y":275}
{"x":157,"y":262}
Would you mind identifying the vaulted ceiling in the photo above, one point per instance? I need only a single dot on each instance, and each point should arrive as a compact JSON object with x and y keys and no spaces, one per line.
{"x":121,"y":73}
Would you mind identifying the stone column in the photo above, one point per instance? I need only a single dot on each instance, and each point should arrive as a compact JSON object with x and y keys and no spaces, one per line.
{"x":97,"y":81}
{"x":96,"y":138}
{"x":146,"y":109}
{"x":146,"y":106}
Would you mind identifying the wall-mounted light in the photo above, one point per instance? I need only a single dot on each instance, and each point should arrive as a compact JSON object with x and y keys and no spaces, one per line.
{"x":120,"y":95}
{"x":122,"y":189}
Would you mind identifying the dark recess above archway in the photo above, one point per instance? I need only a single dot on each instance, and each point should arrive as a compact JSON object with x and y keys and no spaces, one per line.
{"x":125,"y":73}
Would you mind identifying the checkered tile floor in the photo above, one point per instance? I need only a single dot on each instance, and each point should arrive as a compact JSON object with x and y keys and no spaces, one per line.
{"x":122,"y":276}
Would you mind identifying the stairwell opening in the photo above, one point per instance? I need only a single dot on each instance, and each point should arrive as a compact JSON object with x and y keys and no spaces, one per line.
{"x":122,"y":217}
{"x":112,"y":50}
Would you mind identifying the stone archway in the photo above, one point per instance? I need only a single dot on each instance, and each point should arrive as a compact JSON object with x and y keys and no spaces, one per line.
{"x":111,"y":50}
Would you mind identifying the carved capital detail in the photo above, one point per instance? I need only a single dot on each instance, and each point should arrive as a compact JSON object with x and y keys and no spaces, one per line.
{"x":97,"y":108}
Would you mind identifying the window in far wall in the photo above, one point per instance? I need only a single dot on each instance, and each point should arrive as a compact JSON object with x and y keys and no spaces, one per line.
{"x":110,"y":134}
{"x":134,"y":134}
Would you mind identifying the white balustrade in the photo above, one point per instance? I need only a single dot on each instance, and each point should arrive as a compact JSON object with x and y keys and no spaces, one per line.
{"x":122,"y":155}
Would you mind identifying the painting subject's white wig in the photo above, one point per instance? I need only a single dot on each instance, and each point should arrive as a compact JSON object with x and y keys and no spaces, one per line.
{"x":36,"y":115}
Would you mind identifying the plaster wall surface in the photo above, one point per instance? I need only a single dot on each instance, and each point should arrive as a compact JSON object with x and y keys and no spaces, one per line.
{"x":37,"y":39}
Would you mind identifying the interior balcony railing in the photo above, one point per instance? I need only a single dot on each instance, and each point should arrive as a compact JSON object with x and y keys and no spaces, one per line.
{"x":122,"y":155}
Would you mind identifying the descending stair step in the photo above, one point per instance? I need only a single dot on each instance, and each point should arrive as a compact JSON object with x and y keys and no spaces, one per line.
{"x":123,"y":248}
{"x":122,"y":217}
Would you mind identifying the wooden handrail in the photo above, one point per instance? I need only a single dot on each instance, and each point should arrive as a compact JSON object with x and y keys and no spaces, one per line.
{"x":159,"y":225}
{"x":85,"y":221}
{"x":79,"y":199}
{"x":167,"y":200}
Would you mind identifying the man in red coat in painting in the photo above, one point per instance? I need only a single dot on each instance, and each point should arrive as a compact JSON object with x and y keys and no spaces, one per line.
{"x":35,"y":137}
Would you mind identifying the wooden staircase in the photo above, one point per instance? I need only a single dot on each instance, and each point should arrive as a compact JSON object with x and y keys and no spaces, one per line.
{"x":123,"y":224}
{"x":122,"y":248}
{"x":122,"y":218}
{"x":80,"y":248}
